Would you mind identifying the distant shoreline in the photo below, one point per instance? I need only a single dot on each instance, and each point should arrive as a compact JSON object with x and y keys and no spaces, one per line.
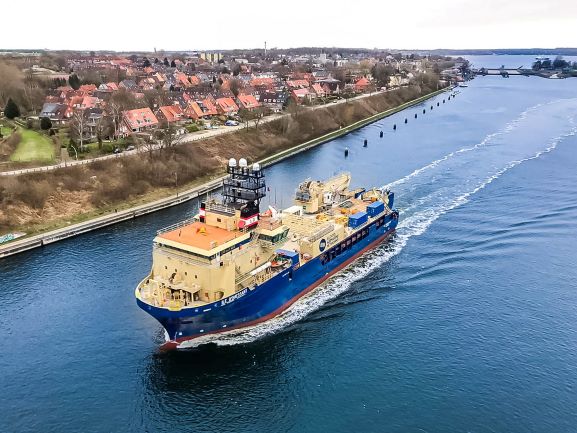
{"x":503,"y":52}
{"x":560,"y":51}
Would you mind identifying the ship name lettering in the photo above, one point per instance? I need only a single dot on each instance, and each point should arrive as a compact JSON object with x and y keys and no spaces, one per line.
{"x":234,"y":297}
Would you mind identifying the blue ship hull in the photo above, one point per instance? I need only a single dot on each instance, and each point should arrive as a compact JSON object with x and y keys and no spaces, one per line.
{"x":254,"y":305}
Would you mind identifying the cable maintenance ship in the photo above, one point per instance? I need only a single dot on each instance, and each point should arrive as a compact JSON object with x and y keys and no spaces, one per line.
{"x":233,"y":266}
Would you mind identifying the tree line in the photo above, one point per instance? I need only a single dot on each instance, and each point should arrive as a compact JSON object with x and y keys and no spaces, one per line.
{"x":558,"y":63}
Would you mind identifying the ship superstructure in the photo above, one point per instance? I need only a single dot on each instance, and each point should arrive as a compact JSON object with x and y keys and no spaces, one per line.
{"x":234,"y":265}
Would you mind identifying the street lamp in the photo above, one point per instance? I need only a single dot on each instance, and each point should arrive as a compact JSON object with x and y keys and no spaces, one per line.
{"x":75,"y":152}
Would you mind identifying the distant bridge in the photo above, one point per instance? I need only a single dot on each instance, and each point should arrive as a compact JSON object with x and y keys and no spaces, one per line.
{"x":504,"y":72}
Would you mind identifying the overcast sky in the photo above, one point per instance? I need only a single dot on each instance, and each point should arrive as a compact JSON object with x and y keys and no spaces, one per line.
{"x":195,"y":25}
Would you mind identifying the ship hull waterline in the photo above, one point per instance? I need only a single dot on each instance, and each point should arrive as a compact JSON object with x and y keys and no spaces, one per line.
{"x":253,"y":306}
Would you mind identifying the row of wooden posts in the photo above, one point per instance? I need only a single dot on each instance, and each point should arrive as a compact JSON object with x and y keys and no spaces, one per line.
{"x":381,"y":135}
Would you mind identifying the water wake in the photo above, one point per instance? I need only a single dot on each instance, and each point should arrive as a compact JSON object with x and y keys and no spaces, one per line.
{"x":512,"y":125}
{"x":435,"y":195}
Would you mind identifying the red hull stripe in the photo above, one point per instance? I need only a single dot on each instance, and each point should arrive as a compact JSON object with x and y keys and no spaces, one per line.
{"x":174,"y":343}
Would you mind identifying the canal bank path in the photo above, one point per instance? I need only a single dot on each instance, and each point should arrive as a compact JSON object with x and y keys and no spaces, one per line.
{"x":40,"y":240}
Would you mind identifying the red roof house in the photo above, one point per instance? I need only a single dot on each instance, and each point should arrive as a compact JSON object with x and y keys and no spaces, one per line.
{"x":362,"y":84}
{"x":264,"y":82}
{"x":89,"y":102}
{"x":209,"y":107}
{"x":193,"y":111}
{"x":318,"y":90}
{"x":226,"y":106}
{"x":248,"y":102}
{"x":138,"y":120}
{"x":297,"y":84}
{"x":87,"y":88}
{"x":170,"y":113}
{"x":299,"y":95}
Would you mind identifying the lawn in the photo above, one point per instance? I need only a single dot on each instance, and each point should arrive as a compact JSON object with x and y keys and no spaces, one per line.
{"x":5,"y":130}
{"x":33,"y":147}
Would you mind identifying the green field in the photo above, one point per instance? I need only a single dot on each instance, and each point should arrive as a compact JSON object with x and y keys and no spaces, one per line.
{"x":33,"y":147}
{"x":5,"y":130}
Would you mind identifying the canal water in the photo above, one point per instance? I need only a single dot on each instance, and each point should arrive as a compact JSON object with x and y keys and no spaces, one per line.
{"x":465,"y":322}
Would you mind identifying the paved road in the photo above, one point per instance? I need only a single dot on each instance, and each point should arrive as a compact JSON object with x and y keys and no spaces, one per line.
{"x":185,"y":138}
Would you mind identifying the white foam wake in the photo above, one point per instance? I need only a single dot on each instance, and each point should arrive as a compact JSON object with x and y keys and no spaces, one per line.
{"x":431,"y":206}
{"x":512,"y":125}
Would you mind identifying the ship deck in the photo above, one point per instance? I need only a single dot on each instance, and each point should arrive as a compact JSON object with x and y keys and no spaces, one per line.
{"x":200,"y":235}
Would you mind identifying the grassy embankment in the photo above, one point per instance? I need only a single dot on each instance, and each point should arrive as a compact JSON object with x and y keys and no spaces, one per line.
{"x":21,"y":147}
{"x":33,"y":146}
{"x":39,"y":202}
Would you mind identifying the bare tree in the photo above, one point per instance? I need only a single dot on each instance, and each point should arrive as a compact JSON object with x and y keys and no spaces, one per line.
{"x":246,"y":116}
{"x":371,"y":88}
{"x":120,"y":101}
{"x":79,"y":126}
{"x":11,"y":83}
{"x":166,"y":136}
{"x":156,"y":98}
{"x":235,"y":86}
{"x":294,"y":108}
{"x":103,"y":128}
{"x":148,"y":146}
{"x":115,"y":111}
{"x":260,"y":112}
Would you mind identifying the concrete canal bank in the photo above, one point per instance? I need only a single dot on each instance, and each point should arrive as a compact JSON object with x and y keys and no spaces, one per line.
{"x":28,"y":243}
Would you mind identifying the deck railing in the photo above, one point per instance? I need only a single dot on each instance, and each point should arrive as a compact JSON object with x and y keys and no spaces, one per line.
{"x":176,"y":226}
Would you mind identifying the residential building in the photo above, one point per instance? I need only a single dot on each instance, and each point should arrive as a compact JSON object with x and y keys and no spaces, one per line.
{"x":57,"y":113}
{"x":193,"y":111}
{"x":300,"y":95}
{"x":226,"y":106}
{"x":137,"y":120}
{"x":273,"y":100}
{"x":170,"y":114}
{"x":248,"y":102}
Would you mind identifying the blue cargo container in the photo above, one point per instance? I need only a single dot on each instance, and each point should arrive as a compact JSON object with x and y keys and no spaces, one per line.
{"x":391,"y":202}
{"x":358,"y":219}
{"x":375,"y":208}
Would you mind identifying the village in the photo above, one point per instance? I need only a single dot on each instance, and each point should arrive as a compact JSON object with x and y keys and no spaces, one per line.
{"x":96,"y":103}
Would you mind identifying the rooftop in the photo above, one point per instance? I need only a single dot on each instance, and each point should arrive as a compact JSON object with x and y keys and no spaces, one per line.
{"x":200,"y":235}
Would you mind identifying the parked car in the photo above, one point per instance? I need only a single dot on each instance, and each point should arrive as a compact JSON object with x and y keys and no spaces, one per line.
{"x":231,"y":123}
{"x":117,"y":150}
{"x":131,"y":147}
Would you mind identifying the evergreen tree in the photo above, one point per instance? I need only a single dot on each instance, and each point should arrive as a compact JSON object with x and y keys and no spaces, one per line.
{"x":11,"y":111}
{"x":166,"y":62}
{"x":559,"y":63}
{"x":146,"y":63}
{"x":74,"y":81}
{"x":173,"y":64}
{"x":45,"y":123}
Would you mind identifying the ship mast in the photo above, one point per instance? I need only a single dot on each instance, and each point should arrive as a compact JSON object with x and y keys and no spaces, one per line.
{"x":244,"y":185}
